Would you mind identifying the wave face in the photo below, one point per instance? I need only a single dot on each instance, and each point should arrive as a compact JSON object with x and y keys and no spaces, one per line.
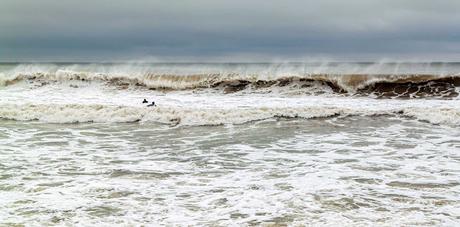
{"x":380,"y":80}
{"x":216,"y":94}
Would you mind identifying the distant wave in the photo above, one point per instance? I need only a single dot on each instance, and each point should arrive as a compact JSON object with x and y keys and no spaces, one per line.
{"x":77,"y":113}
{"x":382,"y":85}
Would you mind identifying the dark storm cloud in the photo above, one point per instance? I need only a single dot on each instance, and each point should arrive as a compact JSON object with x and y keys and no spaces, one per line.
{"x":67,"y":30}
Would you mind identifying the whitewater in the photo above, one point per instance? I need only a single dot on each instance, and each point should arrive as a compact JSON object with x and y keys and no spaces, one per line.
{"x":354,"y":144}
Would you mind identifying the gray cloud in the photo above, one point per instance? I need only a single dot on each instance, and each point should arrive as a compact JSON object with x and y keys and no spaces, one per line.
{"x":68,"y":30}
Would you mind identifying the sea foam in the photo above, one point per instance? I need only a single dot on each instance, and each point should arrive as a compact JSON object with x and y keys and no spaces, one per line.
{"x":76,"y":113}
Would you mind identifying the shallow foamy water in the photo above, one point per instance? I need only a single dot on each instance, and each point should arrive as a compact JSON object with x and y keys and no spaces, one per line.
{"x":78,"y":147}
{"x":348,"y":171}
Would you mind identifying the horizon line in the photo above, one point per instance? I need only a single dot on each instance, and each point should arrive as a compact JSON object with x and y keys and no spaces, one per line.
{"x":228,"y":62}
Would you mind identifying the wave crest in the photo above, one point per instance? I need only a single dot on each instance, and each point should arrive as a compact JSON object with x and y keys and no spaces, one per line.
{"x":404,"y":85}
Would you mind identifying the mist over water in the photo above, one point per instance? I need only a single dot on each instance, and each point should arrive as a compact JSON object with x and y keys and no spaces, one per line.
{"x":352,"y":144}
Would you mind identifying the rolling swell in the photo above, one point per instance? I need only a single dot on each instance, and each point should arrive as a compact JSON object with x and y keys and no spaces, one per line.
{"x":405,"y":85}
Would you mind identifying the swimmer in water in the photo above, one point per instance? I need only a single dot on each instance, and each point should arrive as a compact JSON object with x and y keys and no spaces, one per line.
{"x":145,"y":101}
{"x":150,"y":105}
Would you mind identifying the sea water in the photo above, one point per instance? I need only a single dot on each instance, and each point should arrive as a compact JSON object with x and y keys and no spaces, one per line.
{"x":230,"y":144}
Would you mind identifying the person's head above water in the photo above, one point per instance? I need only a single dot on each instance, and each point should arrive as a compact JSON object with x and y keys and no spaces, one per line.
{"x":150,"y":105}
{"x":145,"y":101}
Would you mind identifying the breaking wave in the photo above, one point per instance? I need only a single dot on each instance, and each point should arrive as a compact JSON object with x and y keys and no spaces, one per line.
{"x":382,"y":85}
{"x":77,"y":113}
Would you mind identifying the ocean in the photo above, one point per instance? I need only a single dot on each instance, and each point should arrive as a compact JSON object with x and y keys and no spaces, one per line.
{"x":230,"y":144}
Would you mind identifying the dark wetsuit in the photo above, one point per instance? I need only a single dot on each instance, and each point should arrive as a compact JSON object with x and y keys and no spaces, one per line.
{"x":145,"y":101}
{"x":153,"y":104}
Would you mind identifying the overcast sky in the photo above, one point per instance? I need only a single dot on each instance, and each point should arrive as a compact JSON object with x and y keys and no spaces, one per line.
{"x":88,"y":30}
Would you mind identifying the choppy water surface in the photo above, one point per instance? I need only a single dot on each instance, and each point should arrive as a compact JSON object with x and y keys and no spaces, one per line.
{"x":352,"y":144}
{"x":355,"y":170}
